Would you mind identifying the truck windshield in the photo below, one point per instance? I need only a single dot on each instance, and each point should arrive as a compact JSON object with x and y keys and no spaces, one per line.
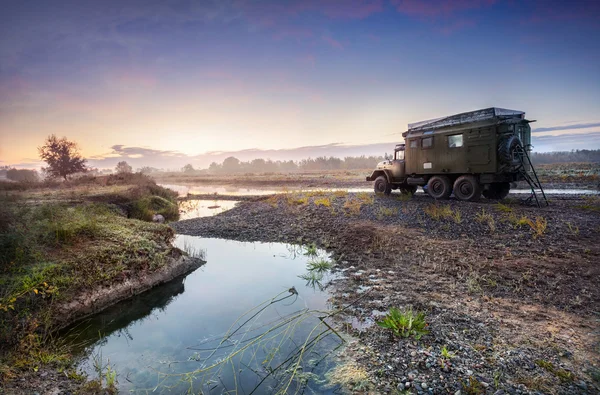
{"x":399,"y":155}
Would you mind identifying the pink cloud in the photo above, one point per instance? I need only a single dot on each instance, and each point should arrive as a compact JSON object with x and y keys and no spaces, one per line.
{"x":457,"y":25}
{"x":435,"y":8}
{"x":333,"y":42}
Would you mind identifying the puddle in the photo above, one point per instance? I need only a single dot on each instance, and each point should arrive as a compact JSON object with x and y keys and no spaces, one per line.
{"x":183,"y":336}
{"x":203,"y":208}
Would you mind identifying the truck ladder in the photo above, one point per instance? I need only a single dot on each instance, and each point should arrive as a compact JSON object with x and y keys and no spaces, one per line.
{"x":532,"y":179}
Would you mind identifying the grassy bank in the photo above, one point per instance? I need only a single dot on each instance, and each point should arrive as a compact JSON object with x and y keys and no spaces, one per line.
{"x":61,"y":242}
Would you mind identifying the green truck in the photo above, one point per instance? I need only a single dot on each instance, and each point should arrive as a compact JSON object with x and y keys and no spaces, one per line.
{"x":468,"y":154}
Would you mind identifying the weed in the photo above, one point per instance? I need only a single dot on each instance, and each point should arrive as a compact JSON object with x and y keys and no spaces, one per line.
{"x":321,"y":265}
{"x":484,"y":217}
{"x":405,"y":323}
{"x":473,"y":283}
{"x":340,"y":194}
{"x":444,"y":211}
{"x":538,"y":227}
{"x":573,"y":229}
{"x":504,"y":208}
{"x":386,"y":212}
{"x":365,"y":198}
{"x":319,"y":192}
{"x":324,"y":201}
{"x":311,"y":250}
{"x":473,"y":387}
{"x":517,"y":222}
{"x":404,"y":197}
{"x":352,"y":206}
{"x":447,"y":354}
{"x":563,"y":375}
{"x":296,"y":200}
{"x":351,"y":377}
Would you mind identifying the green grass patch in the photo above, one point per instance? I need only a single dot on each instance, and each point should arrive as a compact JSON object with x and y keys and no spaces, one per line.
{"x":405,"y":323}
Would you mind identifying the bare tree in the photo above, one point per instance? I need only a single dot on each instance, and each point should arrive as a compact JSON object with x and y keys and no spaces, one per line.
{"x":62,"y":156}
{"x":123,"y":167}
{"x":188,"y":168}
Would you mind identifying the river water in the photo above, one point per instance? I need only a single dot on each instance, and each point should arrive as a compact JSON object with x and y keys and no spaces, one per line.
{"x":184,"y":335}
{"x":184,"y":190}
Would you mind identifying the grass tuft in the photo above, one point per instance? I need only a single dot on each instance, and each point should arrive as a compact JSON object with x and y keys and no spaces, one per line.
{"x":405,"y":323}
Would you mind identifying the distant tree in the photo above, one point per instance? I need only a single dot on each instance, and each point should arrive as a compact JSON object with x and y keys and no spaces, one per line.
{"x":188,"y":168}
{"x":123,"y":167}
{"x":22,"y":175}
{"x":62,"y":156}
{"x":214,"y":167}
{"x":147,"y":170}
{"x":231,"y":165}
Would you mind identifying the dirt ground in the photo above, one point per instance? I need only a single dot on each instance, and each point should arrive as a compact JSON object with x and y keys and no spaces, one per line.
{"x":510,"y":290}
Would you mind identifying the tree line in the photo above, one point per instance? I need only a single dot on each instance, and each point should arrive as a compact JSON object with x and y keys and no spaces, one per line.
{"x":583,"y":155}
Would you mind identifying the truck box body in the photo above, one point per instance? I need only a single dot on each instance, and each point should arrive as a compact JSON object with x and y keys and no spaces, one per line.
{"x":462,"y":143}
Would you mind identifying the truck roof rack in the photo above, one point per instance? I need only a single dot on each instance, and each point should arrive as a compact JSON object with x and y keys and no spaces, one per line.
{"x":466,"y":117}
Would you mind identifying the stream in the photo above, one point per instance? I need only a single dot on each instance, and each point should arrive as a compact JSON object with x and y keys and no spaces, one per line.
{"x":244,"y":322}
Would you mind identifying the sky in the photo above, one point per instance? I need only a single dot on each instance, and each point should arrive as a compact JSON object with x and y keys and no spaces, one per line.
{"x":163,"y":83}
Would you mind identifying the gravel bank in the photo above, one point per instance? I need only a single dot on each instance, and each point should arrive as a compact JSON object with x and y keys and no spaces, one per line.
{"x":510,"y":291}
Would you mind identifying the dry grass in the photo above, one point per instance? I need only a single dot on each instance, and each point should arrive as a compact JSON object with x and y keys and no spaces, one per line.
{"x":437,"y":212}
{"x":365,"y":198}
{"x":352,"y":206}
{"x":324,"y":201}
{"x":386,"y":212}
{"x":484,"y":217}
{"x":351,"y":377}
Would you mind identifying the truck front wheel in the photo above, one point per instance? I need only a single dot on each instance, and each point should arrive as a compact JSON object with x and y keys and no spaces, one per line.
{"x":439,"y":187}
{"x":382,"y":186}
{"x":467,"y":188}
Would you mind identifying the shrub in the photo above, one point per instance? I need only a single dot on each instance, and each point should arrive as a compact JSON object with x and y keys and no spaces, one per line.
{"x":405,"y":323}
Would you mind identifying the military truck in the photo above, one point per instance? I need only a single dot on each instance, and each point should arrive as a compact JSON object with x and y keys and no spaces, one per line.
{"x":468,"y":154}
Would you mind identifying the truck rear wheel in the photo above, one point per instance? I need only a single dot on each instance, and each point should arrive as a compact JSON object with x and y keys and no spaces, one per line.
{"x":467,"y":188}
{"x":382,"y":185}
{"x":497,"y":191}
{"x":439,"y":187}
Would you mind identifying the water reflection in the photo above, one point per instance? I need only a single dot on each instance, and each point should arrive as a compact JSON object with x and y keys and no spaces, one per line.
{"x":197,"y":208}
{"x":245,"y":321}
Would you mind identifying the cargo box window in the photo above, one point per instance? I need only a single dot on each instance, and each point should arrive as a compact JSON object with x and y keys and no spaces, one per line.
{"x":427,"y":142}
{"x":455,"y":141}
{"x":413,"y":143}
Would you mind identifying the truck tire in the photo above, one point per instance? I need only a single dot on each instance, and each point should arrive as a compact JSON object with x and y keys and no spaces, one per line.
{"x":439,"y":187}
{"x":467,"y":188}
{"x":408,"y":189}
{"x":507,"y":148}
{"x":497,"y":191}
{"x":382,"y":186}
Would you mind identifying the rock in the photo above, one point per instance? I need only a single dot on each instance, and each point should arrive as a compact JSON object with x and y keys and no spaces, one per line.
{"x":407,"y":384}
{"x":412,"y":376}
{"x":158,"y":218}
{"x":424,"y":385}
{"x":457,"y":392}
{"x":499,"y":392}
{"x":581,"y":384}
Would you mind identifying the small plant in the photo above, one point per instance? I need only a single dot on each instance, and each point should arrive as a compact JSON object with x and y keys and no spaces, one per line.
{"x":387,"y":212}
{"x":573,"y":229}
{"x":484,"y":217}
{"x":447,"y":354}
{"x":473,"y":387}
{"x":504,"y":208}
{"x":405,"y":323}
{"x":311,"y":250}
{"x":293,"y":200}
{"x":352,"y":206}
{"x":444,"y":211}
{"x":365,"y":198}
{"x":538,"y":227}
{"x":563,"y":375}
{"x":321,"y":265}
{"x":324,"y":201}
{"x":517,"y":222}
{"x":340,"y":194}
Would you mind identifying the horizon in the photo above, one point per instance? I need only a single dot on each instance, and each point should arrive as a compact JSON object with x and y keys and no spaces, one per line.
{"x":165,"y":85}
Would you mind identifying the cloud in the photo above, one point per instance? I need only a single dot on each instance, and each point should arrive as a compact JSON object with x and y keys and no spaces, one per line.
{"x":567,"y":127}
{"x":437,"y":8}
{"x":333,"y":42}
{"x":566,"y":142}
